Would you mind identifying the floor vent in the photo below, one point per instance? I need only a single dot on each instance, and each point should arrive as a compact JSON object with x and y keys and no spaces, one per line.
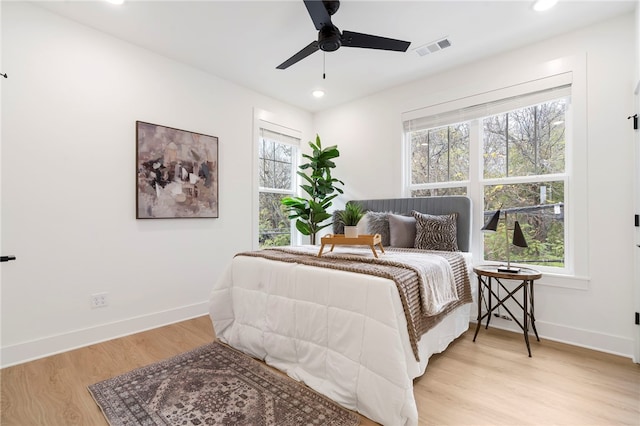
{"x":433,"y":47}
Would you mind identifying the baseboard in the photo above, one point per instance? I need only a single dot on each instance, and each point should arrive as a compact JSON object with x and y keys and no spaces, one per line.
{"x":616,"y":345}
{"x":51,"y":345}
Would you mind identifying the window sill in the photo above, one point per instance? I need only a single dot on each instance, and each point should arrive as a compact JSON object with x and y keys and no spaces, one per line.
{"x":564,"y":281}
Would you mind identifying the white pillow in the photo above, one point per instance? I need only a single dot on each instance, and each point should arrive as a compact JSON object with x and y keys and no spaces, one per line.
{"x":362,"y":225}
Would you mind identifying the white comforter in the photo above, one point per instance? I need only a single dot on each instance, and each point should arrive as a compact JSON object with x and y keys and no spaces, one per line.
{"x":343,"y":334}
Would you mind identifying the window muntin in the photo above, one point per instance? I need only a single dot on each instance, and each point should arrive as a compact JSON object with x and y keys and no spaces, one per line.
{"x":521,"y":169}
{"x":277,"y":162}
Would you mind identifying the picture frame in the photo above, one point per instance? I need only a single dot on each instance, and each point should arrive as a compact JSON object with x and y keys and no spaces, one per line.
{"x":177,"y":173}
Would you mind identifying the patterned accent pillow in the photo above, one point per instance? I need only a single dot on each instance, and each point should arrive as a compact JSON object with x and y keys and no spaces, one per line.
{"x":436,"y":232}
{"x":378,"y":223}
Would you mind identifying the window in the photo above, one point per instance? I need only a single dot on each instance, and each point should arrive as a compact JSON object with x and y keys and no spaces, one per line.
{"x":511,"y":154}
{"x":277,"y":163}
{"x":524,"y":175}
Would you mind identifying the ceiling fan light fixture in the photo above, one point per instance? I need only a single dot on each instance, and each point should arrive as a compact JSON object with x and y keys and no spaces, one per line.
{"x":542,"y":5}
{"x":318,"y":93}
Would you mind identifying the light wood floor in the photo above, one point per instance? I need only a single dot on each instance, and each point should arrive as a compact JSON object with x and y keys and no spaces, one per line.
{"x":490,"y":382}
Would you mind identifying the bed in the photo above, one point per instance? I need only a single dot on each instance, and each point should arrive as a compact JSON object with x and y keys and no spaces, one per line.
{"x":348,"y":330}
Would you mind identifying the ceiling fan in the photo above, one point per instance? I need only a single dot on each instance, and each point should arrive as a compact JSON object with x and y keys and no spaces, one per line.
{"x":330,"y":38}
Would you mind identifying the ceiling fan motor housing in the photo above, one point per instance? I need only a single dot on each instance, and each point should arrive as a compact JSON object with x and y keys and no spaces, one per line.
{"x":332,"y":6}
{"x":329,"y":38}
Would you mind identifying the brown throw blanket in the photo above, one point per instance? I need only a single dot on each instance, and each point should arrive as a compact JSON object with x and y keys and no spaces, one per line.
{"x":407,"y":281}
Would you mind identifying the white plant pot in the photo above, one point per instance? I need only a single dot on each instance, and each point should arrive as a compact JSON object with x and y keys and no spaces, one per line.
{"x":351,"y":231}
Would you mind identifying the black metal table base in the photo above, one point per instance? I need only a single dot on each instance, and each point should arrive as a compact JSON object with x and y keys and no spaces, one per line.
{"x":527,"y":305}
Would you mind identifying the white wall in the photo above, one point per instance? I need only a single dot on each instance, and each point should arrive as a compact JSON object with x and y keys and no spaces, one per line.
{"x":68,"y":115}
{"x":69,"y":109}
{"x":599,"y":315}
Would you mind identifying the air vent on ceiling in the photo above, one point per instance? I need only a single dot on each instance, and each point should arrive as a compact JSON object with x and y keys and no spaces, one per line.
{"x":433,"y":47}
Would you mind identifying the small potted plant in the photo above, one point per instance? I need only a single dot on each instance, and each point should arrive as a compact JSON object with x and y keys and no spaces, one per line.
{"x":350,"y":217}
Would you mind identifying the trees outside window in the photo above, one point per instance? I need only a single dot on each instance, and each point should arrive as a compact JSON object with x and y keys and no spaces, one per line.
{"x":524,"y":175}
{"x":277,"y":163}
{"x":439,"y":156}
{"x":520,"y":156}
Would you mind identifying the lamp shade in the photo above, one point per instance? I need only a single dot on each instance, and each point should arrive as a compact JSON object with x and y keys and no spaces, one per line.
{"x":492,"y":225}
{"x":518,"y":236}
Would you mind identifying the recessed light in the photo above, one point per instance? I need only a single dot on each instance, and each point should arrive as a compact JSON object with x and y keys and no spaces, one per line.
{"x":542,"y":5}
{"x":115,"y":1}
{"x":318,"y":93}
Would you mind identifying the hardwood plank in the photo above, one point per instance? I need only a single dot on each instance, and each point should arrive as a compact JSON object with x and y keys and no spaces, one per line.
{"x":53,"y":390}
{"x":491,"y":381}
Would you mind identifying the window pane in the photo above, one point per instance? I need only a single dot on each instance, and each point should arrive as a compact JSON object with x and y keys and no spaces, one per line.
{"x":551,"y":136}
{"x":274,"y":226}
{"x":282,"y":152}
{"x":275,"y":163}
{"x":267,"y":149}
{"x":282,"y":176}
{"x":440,"y":154}
{"x":525,"y":142}
{"x":435,"y":192}
{"x":419,"y":156}
{"x":266,"y":173}
{"x":539,"y":209}
{"x":459,"y":152}
{"x":495,"y":147}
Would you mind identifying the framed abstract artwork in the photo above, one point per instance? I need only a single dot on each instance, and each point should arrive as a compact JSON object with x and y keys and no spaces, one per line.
{"x":177,"y":173}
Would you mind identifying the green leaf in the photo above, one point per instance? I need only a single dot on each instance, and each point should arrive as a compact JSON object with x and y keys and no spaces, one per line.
{"x":303,"y":227}
{"x":320,"y":186}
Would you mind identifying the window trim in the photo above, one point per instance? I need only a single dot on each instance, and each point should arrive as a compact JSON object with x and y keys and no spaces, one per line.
{"x":557,"y":72}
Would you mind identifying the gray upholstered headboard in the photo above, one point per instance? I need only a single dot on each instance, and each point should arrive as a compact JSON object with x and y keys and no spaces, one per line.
{"x":430,"y":205}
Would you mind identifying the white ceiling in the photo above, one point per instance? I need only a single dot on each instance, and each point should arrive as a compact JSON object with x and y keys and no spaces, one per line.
{"x":244,"y":41}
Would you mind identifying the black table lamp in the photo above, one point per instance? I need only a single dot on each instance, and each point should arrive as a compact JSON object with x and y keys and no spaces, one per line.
{"x":518,"y":237}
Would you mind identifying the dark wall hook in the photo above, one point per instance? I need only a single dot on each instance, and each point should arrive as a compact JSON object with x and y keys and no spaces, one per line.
{"x":4,"y":75}
{"x":635,"y":120}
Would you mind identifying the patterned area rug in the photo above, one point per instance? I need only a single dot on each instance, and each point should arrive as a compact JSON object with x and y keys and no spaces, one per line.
{"x":213,"y":385}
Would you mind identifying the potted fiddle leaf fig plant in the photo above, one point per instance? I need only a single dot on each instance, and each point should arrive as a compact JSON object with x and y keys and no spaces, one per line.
{"x":321,"y":187}
{"x":350,"y":217}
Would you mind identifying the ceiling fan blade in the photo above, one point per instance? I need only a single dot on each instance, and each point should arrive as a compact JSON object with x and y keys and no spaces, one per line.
{"x":318,"y":12}
{"x":367,"y":41}
{"x":311,"y":48}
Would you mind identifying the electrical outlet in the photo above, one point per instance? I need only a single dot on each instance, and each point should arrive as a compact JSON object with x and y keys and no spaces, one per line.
{"x":98,"y":300}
